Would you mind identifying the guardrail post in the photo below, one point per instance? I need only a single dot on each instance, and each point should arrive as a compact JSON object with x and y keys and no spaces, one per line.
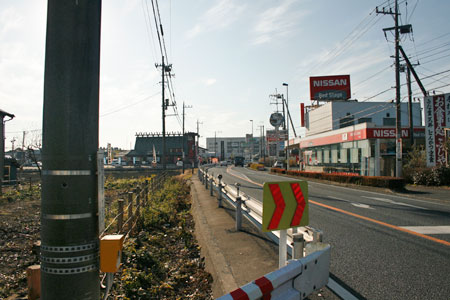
{"x":299,"y":245}
{"x":138,"y":202}
{"x":211,"y":186}
{"x":120,"y":217}
{"x":130,"y":211}
{"x":317,"y":235}
{"x":206,"y":180}
{"x":238,"y":213}
{"x":219,"y":193}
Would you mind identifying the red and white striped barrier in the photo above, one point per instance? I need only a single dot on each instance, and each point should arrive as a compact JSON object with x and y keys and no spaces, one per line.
{"x":296,"y":280}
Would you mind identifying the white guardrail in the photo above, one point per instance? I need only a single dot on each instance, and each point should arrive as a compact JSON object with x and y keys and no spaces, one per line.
{"x":300,"y":277}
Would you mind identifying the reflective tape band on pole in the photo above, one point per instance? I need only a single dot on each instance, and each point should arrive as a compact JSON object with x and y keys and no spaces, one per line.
{"x":66,"y":172}
{"x":67,"y":217}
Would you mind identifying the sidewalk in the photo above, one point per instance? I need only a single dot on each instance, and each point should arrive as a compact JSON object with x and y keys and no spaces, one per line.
{"x":234,"y":258}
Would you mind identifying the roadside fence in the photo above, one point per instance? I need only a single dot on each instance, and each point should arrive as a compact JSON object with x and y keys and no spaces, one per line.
{"x":128,"y":214}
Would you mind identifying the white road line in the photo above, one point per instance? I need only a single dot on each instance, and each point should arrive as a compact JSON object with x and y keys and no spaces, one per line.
{"x":332,"y":197}
{"x":360,"y":205}
{"x":394,"y":202}
{"x":429,"y":229}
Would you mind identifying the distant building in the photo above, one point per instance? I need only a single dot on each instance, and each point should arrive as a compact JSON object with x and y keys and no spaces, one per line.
{"x":229,"y":147}
{"x":10,"y":170}
{"x":146,"y":142}
{"x":226,"y":147}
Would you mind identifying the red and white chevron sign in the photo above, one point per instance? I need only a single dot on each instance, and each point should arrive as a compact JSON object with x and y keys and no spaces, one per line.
{"x":285,"y":205}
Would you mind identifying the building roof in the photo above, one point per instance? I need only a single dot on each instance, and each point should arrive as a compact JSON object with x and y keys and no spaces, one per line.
{"x":4,"y":113}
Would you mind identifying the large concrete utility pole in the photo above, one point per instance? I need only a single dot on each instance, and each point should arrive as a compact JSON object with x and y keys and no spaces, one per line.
{"x":69,"y":222}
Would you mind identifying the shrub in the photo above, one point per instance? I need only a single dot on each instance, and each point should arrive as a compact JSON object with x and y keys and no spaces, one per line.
{"x":377,"y":181}
{"x":431,"y":176}
{"x":259,"y":167}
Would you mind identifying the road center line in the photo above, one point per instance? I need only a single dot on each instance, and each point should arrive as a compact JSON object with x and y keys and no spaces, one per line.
{"x":381,"y":223}
{"x":429,"y":229}
{"x":393,"y":202}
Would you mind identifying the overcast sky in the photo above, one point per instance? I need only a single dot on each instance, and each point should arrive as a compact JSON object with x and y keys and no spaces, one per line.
{"x":228,"y":56}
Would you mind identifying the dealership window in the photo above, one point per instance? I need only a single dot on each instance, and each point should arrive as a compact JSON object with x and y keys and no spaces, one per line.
{"x":319,"y":156}
{"x":354,"y":155}
{"x":343,"y":156}
{"x":387,"y":147}
{"x":348,"y":120}
{"x":334,"y":154}
{"x":364,"y":120}
{"x":388,"y":121}
{"x":326,"y":155}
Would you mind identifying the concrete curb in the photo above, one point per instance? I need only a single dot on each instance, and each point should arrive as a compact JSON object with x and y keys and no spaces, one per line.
{"x":216,"y":263}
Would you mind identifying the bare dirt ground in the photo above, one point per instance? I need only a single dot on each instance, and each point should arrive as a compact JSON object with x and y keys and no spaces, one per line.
{"x":19,"y":229}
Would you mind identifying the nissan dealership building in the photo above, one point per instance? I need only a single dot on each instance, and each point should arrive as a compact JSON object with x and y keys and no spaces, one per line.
{"x":356,"y":137}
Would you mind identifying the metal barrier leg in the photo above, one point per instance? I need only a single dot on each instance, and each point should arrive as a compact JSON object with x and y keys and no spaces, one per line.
{"x":238,"y":213}
{"x":299,"y":245}
{"x":219,"y":195}
{"x":282,"y":248}
{"x":211,"y":186}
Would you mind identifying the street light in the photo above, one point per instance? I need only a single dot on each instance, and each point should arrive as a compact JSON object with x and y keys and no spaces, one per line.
{"x":251,"y":144}
{"x":287,"y":110}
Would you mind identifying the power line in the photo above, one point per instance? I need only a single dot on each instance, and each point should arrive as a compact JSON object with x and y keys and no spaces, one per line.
{"x":130,"y":105}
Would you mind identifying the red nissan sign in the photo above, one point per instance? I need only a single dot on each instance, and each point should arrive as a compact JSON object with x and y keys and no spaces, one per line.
{"x":335,"y":87}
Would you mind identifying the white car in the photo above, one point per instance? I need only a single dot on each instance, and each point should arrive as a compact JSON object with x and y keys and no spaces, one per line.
{"x":179,"y":163}
{"x":278,"y":164}
{"x":224,"y":163}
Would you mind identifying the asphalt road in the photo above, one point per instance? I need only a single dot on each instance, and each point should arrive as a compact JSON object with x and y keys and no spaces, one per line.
{"x":384,"y":246}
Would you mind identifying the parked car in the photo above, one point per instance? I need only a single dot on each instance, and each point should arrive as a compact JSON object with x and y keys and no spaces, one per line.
{"x":278,"y":164}
{"x":179,"y":163}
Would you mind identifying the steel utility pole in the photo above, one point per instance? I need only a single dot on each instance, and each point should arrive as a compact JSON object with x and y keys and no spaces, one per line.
{"x":287,"y":109}
{"x":398,"y":135}
{"x":69,"y":213}
{"x":182,"y":137}
{"x":3,"y":114}
{"x":410,"y":106}
{"x":196,"y":145}
{"x":398,"y":123}
{"x":251,"y":144}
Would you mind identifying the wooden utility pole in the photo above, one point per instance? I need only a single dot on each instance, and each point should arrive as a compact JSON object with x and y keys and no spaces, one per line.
{"x":182,"y":137}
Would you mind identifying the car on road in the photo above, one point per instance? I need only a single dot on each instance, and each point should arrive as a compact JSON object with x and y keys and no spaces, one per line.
{"x":179,"y":163}
{"x":278,"y":164}
{"x":239,"y":161}
{"x":223,"y":163}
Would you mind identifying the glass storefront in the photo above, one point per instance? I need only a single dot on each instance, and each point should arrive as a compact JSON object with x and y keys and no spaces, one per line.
{"x":359,"y":157}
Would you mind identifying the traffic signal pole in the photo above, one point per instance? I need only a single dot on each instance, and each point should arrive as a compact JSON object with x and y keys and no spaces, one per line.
{"x":69,"y":222}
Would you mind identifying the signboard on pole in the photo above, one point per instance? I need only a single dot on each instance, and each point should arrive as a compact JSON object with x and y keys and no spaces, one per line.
{"x":336,"y":87}
{"x":437,"y":118}
{"x":285,"y":205}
